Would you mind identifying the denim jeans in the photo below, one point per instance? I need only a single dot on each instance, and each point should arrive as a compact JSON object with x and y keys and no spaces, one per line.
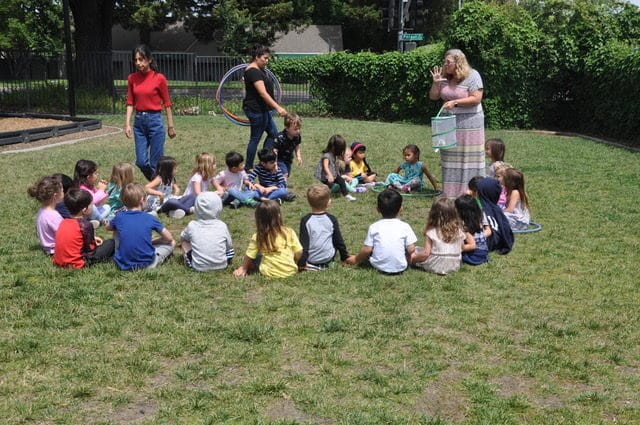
{"x":148,"y":132}
{"x":280,"y":192}
{"x":260,"y":122}
{"x":240,"y":195}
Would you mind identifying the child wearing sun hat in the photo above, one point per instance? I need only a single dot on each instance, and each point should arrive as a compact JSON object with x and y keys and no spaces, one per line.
{"x":358,"y":168}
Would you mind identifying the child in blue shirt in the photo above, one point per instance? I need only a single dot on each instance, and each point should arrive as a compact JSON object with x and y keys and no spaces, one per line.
{"x":136,"y":249}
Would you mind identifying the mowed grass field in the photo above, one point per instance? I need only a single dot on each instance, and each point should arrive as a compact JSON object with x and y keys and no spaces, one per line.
{"x":548,"y":334}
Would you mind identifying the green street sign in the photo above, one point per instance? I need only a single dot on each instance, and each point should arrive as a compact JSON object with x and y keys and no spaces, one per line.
{"x":412,"y":37}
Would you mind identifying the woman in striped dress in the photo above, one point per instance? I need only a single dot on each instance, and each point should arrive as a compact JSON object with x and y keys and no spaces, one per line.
{"x":460,"y":87}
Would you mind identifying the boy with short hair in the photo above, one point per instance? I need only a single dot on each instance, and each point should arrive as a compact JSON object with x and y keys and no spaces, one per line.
{"x":136,"y":248}
{"x":271,"y":183}
{"x":229,"y":182}
{"x":390,"y":241}
{"x":287,"y":144}
{"x":76,"y":244}
{"x":206,"y":242}
{"x":320,"y":232}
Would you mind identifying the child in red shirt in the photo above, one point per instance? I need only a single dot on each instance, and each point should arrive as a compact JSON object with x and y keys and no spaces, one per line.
{"x":76,"y":244}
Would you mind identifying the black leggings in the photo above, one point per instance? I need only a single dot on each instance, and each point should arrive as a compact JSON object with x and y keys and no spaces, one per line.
{"x":340,"y":182}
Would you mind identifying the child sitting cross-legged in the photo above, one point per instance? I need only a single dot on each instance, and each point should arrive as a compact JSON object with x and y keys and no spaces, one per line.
{"x":206,"y":242}
{"x":271,"y":182}
{"x":319,"y":232}
{"x":229,"y":182}
{"x":76,"y":244}
{"x":136,"y":248}
{"x":390,"y":241}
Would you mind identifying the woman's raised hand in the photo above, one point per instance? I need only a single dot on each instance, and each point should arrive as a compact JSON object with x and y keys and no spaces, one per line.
{"x":436,"y":74}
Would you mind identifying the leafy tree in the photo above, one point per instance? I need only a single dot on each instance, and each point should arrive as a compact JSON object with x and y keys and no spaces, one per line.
{"x":34,"y":25}
{"x":238,"y":24}
{"x":147,"y":16}
{"x":29,"y":27}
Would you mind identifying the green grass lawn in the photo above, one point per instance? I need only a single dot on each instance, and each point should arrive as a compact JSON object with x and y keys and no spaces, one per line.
{"x":545,"y":335}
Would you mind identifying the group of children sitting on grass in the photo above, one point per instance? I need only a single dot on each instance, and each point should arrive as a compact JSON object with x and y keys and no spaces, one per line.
{"x":464,"y":230}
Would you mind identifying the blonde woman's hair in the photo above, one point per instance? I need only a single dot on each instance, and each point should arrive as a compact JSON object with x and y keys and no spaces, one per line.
{"x":132,"y":195}
{"x":205,"y":165}
{"x":268,"y":226}
{"x":444,"y":217}
{"x":122,"y":174}
{"x":462,"y":66}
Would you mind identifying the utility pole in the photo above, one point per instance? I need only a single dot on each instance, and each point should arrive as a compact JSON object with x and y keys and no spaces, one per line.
{"x":402,"y":16}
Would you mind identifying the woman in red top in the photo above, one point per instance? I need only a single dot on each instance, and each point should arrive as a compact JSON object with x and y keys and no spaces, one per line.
{"x":148,"y":94}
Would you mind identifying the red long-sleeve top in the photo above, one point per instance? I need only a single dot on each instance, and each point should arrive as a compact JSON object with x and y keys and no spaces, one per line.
{"x":148,"y":91}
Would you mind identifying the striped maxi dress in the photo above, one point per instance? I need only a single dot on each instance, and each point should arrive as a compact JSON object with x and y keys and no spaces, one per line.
{"x":466,"y":160}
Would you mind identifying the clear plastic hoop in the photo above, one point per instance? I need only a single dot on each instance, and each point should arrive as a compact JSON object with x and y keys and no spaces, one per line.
{"x":236,"y":119}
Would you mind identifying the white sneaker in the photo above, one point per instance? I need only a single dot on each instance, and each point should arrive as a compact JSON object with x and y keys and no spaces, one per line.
{"x":153,"y":213}
{"x":349,"y":197}
{"x":177,"y":213}
{"x":95,"y":223}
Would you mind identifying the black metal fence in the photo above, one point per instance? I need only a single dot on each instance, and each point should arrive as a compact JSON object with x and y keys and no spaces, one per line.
{"x":38,"y":83}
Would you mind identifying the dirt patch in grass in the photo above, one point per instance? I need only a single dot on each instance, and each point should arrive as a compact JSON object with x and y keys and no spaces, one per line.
{"x":138,"y":411}
{"x":286,"y":410}
{"x":512,"y":386}
{"x":443,"y":398}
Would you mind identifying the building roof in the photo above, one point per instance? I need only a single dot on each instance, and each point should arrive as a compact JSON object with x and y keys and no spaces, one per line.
{"x":313,"y":39}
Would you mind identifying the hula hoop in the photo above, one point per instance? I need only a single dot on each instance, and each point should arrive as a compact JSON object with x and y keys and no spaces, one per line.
{"x":424,"y":192}
{"x":220,"y":101}
{"x":533,"y":227}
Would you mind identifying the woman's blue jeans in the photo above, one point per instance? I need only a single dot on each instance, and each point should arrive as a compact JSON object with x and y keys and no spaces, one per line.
{"x":260,"y":122}
{"x":148,"y":133}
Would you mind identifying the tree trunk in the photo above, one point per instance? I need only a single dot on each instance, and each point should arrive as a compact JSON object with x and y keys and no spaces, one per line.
{"x":92,"y":38}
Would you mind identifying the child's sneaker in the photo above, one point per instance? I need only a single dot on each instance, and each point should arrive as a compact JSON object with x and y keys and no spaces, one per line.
{"x":290,"y":197}
{"x":153,"y":213}
{"x":235,"y":204}
{"x":406,"y":188}
{"x":177,"y":214}
{"x":372,"y":184}
{"x":251,"y":203}
{"x":95,"y":223}
{"x":349,"y":197}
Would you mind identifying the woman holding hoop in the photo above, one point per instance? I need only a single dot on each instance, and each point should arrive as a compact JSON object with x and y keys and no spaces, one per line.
{"x":258,"y":103}
{"x":148,"y":94}
{"x":460,"y":87}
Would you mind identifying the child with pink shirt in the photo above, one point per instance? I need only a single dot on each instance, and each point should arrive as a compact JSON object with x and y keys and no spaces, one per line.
{"x":86,"y":177}
{"x":47,"y":191}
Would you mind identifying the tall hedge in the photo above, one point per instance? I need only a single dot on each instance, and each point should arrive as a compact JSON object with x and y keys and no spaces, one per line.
{"x":562,"y":64}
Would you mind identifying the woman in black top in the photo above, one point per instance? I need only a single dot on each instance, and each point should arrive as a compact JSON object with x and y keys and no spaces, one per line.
{"x":258,"y":103}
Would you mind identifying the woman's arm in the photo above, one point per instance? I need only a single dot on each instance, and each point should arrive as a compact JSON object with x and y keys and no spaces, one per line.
{"x":472,"y":99}
{"x":127,"y":122}
{"x":262,"y":91}
{"x":437,"y":78}
{"x":171,"y":132}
